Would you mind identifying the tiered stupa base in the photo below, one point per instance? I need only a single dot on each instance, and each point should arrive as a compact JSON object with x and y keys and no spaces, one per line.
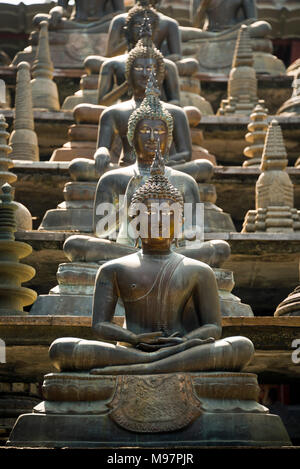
{"x":279,"y":219}
{"x":183,"y":410}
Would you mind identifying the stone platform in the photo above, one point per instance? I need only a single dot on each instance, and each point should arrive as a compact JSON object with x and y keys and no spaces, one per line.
{"x":172,"y":410}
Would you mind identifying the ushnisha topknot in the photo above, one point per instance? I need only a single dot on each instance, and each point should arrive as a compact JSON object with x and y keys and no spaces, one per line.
{"x":135,"y":12}
{"x":150,"y":108}
{"x":145,"y":49}
{"x":158,"y":185}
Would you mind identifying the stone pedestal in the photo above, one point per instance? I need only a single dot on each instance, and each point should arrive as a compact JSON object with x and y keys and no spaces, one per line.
{"x":169,"y":410}
{"x":231,"y":305}
{"x":215,"y":220}
{"x":76,"y":212}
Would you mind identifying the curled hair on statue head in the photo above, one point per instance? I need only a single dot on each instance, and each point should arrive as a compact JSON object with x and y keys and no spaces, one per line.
{"x":145,"y":49}
{"x":136,"y":12}
{"x":150,"y":108}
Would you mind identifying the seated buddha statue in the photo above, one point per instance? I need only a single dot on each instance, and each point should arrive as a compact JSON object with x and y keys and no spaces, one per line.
{"x":149,"y":122}
{"x":142,"y":61}
{"x":220,"y":21}
{"x":73,"y":38}
{"x":124,"y":32}
{"x":113,"y":69}
{"x":84,"y":14}
{"x":172,"y":311}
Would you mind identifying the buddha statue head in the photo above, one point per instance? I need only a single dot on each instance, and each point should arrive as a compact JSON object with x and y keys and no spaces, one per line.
{"x":159,"y":205}
{"x":134,"y":22}
{"x":150,"y":123}
{"x":141,"y":61}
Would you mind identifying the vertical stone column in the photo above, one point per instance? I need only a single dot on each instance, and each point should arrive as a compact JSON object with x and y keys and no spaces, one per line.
{"x":23,"y":139}
{"x":44,"y":90}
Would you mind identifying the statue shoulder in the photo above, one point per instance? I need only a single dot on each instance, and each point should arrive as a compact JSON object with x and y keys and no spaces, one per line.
{"x":118,"y":20}
{"x":167,"y":21}
{"x":175,"y":110}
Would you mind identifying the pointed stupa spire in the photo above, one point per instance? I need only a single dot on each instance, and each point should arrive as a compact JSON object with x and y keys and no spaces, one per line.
{"x":146,"y":27}
{"x":43,"y":66}
{"x":274,"y":154}
{"x":23,"y":139}
{"x":44,"y":90}
{"x":5,"y":161}
{"x":242,"y":82}
{"x":243,"y":53}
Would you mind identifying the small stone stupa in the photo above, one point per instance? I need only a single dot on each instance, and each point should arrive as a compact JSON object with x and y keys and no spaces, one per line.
{"x":23,"y":216}
{"x":242,"y":82}
{"x":44,"y":90}
{"x":23,"y":139}
{"x":13,"y":297}
{"x":290,"y":306}
{"x":275,"y":212}
{"x":257,"y":127}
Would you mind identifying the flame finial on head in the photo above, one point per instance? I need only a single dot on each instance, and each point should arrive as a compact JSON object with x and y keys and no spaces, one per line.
{"x":146,"y":27}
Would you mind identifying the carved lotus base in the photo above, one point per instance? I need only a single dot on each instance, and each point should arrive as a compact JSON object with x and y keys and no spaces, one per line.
{"x":169,"y":410}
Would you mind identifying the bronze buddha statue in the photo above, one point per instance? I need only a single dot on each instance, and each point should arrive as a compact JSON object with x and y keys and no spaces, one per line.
{"x":151,"y":120}
{"x":171,"y":325}
{"x":142,"y":61}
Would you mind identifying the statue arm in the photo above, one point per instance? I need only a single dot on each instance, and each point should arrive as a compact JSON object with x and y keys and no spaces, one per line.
{"x":106,"y":81}
{"x":174,"y":39}
{"x":250,"y":10}
{"x":116,"y":42}
{"x":207,"y":305}
{"x":106,"y":131}
{"x":181,"y":137}
{"x":105,"y":300}
{"x":171,"y":83}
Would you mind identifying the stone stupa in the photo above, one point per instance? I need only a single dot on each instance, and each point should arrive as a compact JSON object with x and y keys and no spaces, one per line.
{"x":44,"y":90}
{"x":23,"y":139}
{"x":242,"y":82}
{"x":13,"y":297}
{"x":23,"y":216}
{"x":275,"y":212}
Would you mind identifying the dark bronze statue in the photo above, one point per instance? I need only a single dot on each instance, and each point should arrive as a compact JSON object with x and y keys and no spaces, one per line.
{"x":152,"y":120}
{"x":143,"y":60}
{"x":126,"y":26}
{"x":172,"y":311}
{"x":113,"y":70}
{"x":221,"y":15}
{"x":85,"y":13}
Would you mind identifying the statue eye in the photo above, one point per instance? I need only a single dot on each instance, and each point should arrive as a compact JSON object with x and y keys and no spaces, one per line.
{"x":138,"y":69}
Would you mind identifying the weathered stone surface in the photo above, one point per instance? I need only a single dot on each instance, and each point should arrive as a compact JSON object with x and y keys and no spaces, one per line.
{"x":44,"y":90}
{"x":274,"y":193}
{"x":198,"y":404}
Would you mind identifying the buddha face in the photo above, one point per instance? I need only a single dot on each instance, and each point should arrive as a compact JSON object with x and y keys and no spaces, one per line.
{"x":160,"y":218}
{"x":140,"y":72}
{"x":147,"y":133}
